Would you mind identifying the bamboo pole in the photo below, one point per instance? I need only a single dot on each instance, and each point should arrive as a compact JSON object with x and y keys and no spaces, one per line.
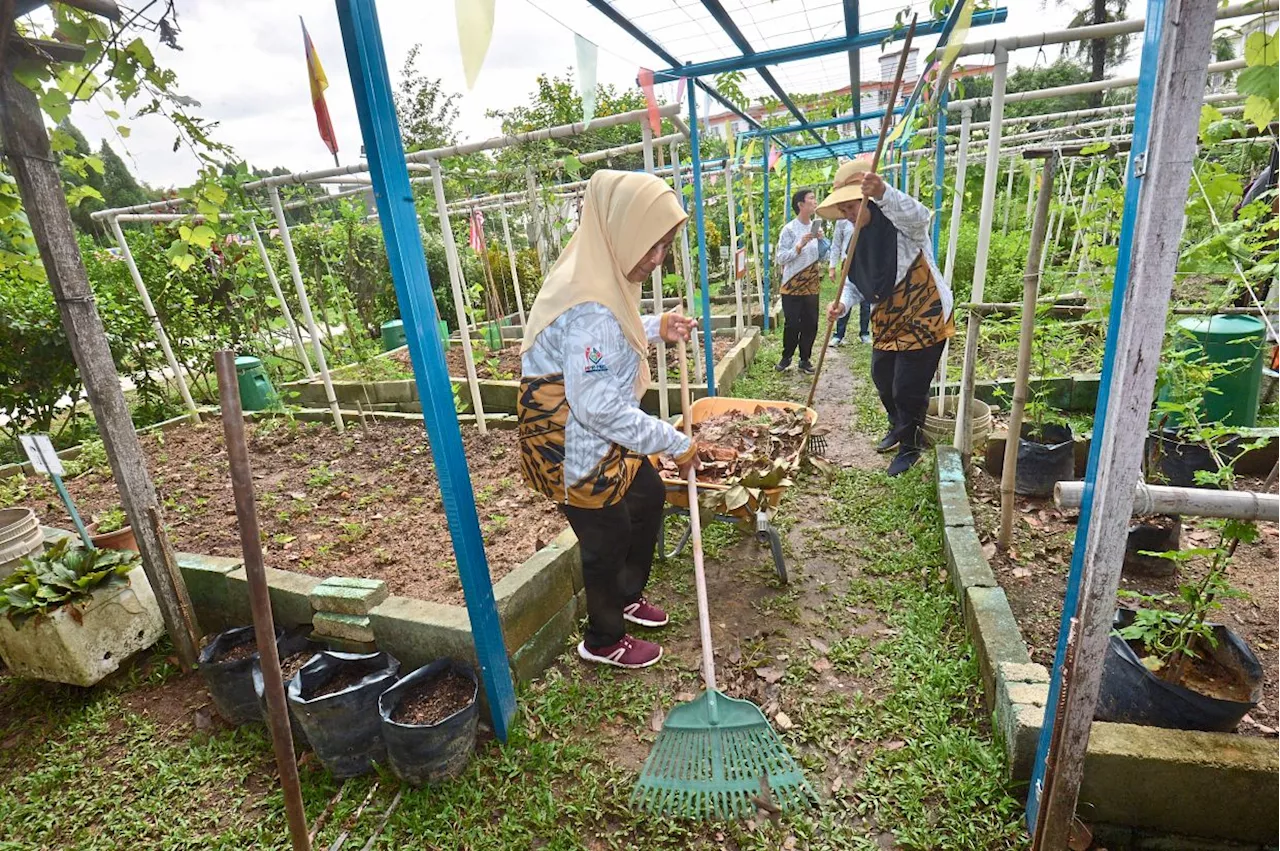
{"x":664,"y":401}
{"x":1030,"y":290}
{"x":1194,"y":502}
{"x":305,"y":303}
{"x":294,"y":336}
{"x":156,"y":324}
{"x":455,"y":283}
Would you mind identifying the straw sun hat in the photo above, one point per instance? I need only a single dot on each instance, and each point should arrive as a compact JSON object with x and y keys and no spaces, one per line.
{"x":845,"y":187}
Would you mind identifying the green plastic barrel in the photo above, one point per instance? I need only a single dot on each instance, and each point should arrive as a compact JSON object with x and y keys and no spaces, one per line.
{"x":492,"y":335}
{"x":392,"y":335}
{"x":444,"y":333}
{"x":1234,"y":340}
{"x":256,"y":392}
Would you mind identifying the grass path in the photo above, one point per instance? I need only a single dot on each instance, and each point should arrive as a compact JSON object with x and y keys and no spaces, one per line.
{"x":863,"y":652}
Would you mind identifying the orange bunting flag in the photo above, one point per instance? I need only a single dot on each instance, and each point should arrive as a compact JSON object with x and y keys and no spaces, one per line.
{"x":645,"y":78}
{"x":319,"y":82}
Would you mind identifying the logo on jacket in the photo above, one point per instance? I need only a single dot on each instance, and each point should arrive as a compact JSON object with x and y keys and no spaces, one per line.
{"x":595,"y":360}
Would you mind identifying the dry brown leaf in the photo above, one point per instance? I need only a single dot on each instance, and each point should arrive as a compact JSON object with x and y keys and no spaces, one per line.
{"x":1021,"y":573}
{"x":821,"y":665}
{"x":837,"y":784}
{"x":819,"y":645}
{"x":656,"y":718}
{"x":783,"y":721}
{"x":789,"y":844}
{"x":989,"y":550}
{"x":684,"y":696}
{"x":895,"y":745}
{"x":770,"y":675}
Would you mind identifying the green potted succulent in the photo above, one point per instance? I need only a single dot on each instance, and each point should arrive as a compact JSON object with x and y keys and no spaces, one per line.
{"x":110,"y":530}
{"x":71,"y":614}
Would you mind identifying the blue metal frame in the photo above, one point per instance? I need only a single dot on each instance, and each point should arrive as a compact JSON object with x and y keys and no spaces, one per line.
{"x":701,"y":221}
{"x":367,"y":64}
{"x":768,"y":269}
{"x":939,"y":170}
{"x":1148,"y":69}
{"x":856,"y":118}
{"x":817,"y":48}
{"x":850,"y":147}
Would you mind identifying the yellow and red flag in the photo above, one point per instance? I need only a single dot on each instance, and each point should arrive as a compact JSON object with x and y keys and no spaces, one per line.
{"x":319,"y":82}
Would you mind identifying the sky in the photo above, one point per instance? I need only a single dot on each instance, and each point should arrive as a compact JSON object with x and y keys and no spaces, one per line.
{"x":243,"y":61}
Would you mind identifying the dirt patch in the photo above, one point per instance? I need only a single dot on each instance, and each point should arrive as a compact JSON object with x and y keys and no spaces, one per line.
{"x":1034,"y":572}
{"x":241,"y":651}
{"x":290,"y":665}
{"x":344,"y":678}
{"x":364,"y":504}
{"x":431,"y":701}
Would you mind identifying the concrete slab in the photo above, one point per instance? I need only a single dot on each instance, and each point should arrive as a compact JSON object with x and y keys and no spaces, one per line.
{"x":994,"y":632}
{"x":547,"y":644}
{"x":348,"y":595}
{"x":531,"y":595}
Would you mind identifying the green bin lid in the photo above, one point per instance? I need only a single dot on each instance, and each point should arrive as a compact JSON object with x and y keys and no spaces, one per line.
{"x":1223,"y":327}
{"x":394,"y":323}
{"x":244,"y":363}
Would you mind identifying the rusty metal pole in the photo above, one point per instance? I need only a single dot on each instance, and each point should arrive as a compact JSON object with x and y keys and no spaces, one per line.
{"x":264,"y":628}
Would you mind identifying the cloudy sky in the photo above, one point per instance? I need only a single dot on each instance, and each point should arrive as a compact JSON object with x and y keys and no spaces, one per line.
{"x":243,"y":60}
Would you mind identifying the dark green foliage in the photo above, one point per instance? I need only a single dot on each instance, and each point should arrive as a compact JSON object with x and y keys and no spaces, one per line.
{"x":60,"y":576}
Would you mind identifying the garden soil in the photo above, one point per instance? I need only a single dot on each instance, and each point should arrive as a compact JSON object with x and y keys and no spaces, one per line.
{"x":1034,"y":576}
{"x":434,"y":700}
{"x":363,"y":504}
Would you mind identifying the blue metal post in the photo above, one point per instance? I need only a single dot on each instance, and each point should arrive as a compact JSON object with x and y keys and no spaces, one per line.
{"x":786,"y":199}
{"x":1148,"y":70}
{"x":700,"y":218}
{"x":768,"y":269}
{"x":366,"y":62}
{"x":939,"y":171}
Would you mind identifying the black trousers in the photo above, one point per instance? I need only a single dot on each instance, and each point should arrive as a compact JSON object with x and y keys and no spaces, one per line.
{"x":617,"y":544}
{"x":800,"y":317}
{"x":864,"y":321}
{"x":902,"y":380}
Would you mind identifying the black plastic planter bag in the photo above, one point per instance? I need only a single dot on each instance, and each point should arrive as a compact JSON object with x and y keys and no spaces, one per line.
{"x":1174,"y":462}
{"x":1131,"y":694}
{"x":343,"y":727}
{"x":429,"y":753}
{"x":289,"y":644}
{"x":1044,"y":462}
{"x":230,"y":684}
{"x":1159,"y":535}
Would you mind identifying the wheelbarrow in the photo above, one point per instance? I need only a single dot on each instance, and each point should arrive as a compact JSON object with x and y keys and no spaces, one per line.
{"x":757,"y":513}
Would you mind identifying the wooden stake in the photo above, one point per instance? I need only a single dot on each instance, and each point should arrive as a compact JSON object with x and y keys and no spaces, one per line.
{"x":857,"y":230}
{"x":35,"y":171}
{"x":1030,"y":291}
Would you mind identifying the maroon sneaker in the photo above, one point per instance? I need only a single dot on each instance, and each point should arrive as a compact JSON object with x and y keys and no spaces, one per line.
{"x":644,"y":613}
{"x":627,"y":653}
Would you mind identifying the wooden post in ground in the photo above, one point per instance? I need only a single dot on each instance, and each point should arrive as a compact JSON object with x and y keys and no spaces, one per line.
{"x":1030,"y":292}
{"x":1175,"y":56}
{"x":35,"y":170}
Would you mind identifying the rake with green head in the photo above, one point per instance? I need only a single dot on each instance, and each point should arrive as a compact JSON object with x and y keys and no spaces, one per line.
{"x":716,"y":754}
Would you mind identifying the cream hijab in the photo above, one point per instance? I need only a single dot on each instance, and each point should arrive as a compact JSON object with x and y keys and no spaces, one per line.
{"x":625,"y":215}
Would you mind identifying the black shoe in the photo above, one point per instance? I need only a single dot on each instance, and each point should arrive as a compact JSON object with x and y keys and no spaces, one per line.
{"x":806,"y":367}
{"x":903,"y":461}
{"x":783,"y":365}
{"x":888,"y":443}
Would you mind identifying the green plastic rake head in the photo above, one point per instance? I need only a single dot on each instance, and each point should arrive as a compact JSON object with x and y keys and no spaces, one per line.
{"x":709,"y":760}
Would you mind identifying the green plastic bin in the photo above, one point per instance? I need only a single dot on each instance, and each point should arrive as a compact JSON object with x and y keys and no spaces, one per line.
{"x":1227,"y":339}
{"x":491,"y":333}
{"x":256,"y":392}
{"x":444,"y":333}
{"x":392,"y":335}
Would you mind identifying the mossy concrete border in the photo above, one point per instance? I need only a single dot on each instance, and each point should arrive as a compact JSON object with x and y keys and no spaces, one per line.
{"x":499,"y":397}
{"x":1136,"y":778}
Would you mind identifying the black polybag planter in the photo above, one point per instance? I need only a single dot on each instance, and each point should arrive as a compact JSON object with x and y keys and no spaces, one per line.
{"x":1146,"y":535}
{"x":1174,"y":462}
{"x":429,"y":753}
{"x":230,"y":684}
{"x":1045,"y":462}
{"x":344,"y":728}
{"x":288,"y":644}
{"x":1131,"y":694}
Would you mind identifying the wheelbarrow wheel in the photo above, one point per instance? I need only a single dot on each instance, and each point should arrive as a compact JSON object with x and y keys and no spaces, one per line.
{"x":765,"y":533}
{"x":679,"y":530}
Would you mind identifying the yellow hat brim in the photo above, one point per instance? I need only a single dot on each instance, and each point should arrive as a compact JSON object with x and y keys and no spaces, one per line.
{"x":830,"y":207}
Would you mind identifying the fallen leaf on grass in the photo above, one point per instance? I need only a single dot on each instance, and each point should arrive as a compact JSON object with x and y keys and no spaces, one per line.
{"x":783,"y":721}
{"x":204,"y":719}
{"x":656,"y":718}
{"x":895,"y":745}
{"x":11,"y":742}
{"x":836,"y":784}
{"x":1021,"y":573}
{"x":789,"y":844}
{"x":769,"y":675}
{"x":821,"y":665}
{"x":735,"y":656}
{"x":684,"y":696}
{"x":819,"y":645}
{"x":297,"y":494}
{"x":989,"y":550}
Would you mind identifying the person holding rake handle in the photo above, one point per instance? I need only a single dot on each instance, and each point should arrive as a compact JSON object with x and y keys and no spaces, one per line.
{"x":584,"y":441}
{"x":911,"y":314}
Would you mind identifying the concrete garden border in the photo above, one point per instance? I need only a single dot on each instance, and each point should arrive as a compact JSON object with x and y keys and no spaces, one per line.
{"x":499,"y":397}
{"x":1137,"y":780}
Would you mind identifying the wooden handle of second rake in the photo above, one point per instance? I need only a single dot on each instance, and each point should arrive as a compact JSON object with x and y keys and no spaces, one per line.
{"x":695,"y":530}
{"x":853,"y":238}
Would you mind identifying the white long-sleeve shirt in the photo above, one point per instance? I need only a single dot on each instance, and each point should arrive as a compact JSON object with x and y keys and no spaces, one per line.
{"x":586,"y":346}
{"x":911,"y":218}
{"x":840,"y":236}
{"x":788,"y":257}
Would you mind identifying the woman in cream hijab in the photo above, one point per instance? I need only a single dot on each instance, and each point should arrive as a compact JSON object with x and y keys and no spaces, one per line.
{"x":584,"y":441}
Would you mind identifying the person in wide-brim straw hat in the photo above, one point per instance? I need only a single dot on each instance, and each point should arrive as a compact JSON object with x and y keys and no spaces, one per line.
{"x":911,"y":305}
{"x":584,"y":441}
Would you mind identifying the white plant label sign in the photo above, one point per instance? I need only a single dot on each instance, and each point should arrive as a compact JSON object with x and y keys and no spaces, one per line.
{"x":41,"y":453}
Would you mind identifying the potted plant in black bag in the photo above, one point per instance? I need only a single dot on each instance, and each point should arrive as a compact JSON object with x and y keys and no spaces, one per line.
{"x":1046,"y":443}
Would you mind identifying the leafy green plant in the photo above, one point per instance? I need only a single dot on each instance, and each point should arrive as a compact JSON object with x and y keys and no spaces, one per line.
{"x":60,"y":576}
{"x":112,"y":520}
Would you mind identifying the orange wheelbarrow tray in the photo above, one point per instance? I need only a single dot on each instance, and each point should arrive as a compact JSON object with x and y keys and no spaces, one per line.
{"x":759,"y":511}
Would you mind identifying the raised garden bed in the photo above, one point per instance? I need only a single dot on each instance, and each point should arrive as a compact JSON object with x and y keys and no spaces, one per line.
{"x":366,"y":504}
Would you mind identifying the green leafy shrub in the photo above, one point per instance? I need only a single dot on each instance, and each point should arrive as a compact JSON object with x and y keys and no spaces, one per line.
{"x":112,"y":520}
{"x":60,"y":576}
{"x":1006,"y":261}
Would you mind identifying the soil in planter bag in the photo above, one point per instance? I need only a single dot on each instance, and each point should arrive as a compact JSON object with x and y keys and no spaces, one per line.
{"x":290,"y":643}
{"x":343,"y":727}
{"x":429,"y":753}
{"x":1174,"y":462}
{"x":1132,"y":694}
{"x":230,"y":683}
{"x":1043,"y":462}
